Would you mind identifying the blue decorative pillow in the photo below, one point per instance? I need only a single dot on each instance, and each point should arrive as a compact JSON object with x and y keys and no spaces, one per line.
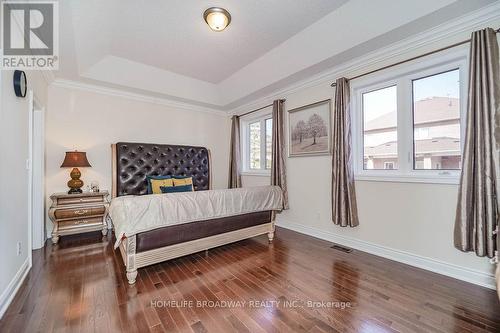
{"x":176,"y":189}
{"x":148,"y":178}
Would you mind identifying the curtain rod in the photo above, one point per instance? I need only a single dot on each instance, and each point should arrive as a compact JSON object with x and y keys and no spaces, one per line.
{"x":411,"y":59}
{"x":263,"y":107}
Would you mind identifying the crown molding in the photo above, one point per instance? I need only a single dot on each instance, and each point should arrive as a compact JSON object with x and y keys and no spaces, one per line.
{"x":62,"y":83}
{"x":448,"y":30}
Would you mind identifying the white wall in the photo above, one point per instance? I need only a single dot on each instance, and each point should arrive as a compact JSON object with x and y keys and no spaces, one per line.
{"x":91,"y":122}
{"x":409,"y":222}
{"x":14,"y":148}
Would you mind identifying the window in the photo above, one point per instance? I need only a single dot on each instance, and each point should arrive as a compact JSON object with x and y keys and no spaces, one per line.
{"x":407,"y":123}
{"x":436,"y":110}
{"x":257,"y":143}
{"x":380,"y":128}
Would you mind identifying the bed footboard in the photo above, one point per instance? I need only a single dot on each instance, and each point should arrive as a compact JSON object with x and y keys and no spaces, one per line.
{"x":134,"y":260}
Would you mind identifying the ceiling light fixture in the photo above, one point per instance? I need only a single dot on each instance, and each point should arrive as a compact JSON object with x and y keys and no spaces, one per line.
{"x":217,"y":18}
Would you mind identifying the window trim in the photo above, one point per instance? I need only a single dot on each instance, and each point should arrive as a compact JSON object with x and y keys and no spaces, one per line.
{"x":260,"y":116}
{"x":403,"y":77}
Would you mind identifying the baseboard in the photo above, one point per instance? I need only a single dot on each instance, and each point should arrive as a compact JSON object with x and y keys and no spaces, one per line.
{"x":433,"y":265}
{"x":14,"y":285}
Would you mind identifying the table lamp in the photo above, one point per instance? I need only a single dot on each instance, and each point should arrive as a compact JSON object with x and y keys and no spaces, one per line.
{"x":75,"y":159}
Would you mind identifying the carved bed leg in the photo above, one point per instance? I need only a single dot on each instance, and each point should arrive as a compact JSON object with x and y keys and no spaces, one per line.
{"x":270,"y":234}
{"x":131,"y":276}
{"x":131,"y":268}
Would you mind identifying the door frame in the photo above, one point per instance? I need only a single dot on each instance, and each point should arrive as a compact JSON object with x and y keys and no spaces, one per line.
{"x":34,"y":105}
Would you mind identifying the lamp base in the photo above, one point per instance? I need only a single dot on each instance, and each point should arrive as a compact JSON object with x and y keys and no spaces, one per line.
{"x":75,"y":183}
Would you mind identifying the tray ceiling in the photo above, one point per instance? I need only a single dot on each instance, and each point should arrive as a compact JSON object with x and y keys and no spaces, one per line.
{"x":164,"y":48}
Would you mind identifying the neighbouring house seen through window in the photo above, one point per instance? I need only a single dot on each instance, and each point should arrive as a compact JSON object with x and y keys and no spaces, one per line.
{"x":436,"y":121}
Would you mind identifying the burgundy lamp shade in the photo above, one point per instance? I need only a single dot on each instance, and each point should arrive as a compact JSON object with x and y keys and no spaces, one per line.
{"x":75,"y":159}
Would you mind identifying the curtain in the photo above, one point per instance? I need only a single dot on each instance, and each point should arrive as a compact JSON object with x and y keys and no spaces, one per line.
{"x":344,"y":207}
{"x":477,"y":208}
{"x":278,"y":166}
{"x":234,"y":154}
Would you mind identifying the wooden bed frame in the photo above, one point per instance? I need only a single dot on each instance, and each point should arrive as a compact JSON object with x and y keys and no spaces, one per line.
{"x":134,"y":260}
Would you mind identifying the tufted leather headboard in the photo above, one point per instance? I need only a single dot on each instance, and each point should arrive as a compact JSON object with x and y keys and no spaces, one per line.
{"x":132,"y":162}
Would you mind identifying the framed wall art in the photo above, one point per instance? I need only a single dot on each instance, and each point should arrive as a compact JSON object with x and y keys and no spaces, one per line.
{"x":309,"y":129}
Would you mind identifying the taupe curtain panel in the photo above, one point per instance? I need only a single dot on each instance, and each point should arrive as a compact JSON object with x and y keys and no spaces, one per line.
{"x":278,"y":166}
{"x":477,"y":208}
{"x":235,"y":154}
{"x":344,"y":207}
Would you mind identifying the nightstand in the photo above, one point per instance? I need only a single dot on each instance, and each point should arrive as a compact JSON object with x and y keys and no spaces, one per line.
{"x":77,"y":213}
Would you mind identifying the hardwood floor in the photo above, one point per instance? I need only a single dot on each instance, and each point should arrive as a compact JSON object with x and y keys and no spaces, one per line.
{"x":80,"y":286}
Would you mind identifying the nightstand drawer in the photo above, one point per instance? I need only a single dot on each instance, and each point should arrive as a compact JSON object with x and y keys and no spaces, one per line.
{"x":79,"y":200}
{"x":78,"y":212}
{"x":93,"y":221}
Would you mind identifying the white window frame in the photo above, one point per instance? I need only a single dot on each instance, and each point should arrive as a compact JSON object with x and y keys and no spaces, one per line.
{"x":402,"y":76}
{"x":260,"y":116}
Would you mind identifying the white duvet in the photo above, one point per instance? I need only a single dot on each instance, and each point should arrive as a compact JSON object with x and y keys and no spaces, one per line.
{"x":134,"y":214}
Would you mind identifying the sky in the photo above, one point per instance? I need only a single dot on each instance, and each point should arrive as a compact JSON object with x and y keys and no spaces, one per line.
{"x":382,"y":101}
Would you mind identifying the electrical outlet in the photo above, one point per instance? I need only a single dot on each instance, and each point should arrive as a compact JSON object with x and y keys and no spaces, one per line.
{"x":18,"y":248}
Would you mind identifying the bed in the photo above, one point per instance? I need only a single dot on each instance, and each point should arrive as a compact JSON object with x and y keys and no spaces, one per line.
{"x":155,"y":228}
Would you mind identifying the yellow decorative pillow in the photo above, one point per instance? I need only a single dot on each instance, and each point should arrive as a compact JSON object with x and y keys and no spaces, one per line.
{"x":183,"y":182}
{"x":156,"y":183}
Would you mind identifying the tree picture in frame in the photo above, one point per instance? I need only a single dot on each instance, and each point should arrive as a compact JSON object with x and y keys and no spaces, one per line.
{"x":309,"y":129}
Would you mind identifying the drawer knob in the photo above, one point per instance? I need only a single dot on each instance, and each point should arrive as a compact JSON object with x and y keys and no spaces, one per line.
{"x":80,"y":222}
{"x":81,"y":212}
{"x":81,"y":200}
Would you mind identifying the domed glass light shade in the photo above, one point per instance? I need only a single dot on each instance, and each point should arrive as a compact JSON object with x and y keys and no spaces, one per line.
{"x":217,"y":18}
